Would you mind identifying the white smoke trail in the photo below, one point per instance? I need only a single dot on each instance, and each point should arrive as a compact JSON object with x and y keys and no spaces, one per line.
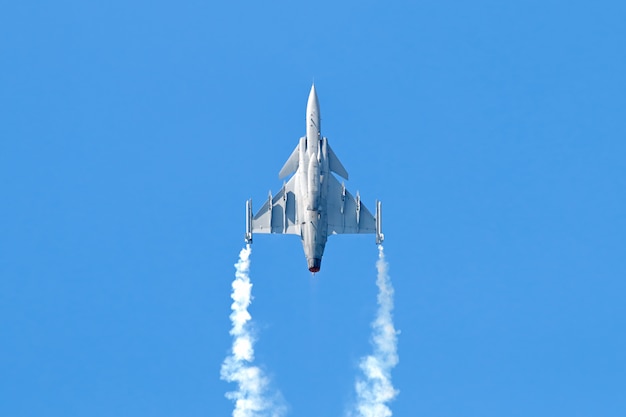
{"x":375,"y":390}
{"x":251,"y":398}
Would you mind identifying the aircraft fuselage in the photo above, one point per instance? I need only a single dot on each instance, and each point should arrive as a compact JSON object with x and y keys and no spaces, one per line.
{"x":313,"y":170}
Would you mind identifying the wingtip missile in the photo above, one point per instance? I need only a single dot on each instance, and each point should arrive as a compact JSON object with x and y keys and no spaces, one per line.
{"x":248,"y":237}
{"x":380,"y":237}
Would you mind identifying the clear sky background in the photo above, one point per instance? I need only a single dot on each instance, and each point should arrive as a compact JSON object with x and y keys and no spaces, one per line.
{"x":132,"y":132}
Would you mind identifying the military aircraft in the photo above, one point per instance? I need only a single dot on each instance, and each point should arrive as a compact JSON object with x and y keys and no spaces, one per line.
{"x":313,"y":204}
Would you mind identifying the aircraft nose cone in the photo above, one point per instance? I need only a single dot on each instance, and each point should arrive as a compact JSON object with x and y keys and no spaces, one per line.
{"x":313,"y":97}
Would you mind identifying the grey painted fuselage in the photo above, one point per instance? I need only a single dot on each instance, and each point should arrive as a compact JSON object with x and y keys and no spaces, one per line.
{"x":313,"y":203}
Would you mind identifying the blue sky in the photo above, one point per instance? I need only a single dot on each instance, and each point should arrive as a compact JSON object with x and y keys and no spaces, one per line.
{"x":132,"y":133}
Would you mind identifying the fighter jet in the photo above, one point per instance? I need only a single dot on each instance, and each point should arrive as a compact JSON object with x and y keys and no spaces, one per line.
{"x":313,"y":203}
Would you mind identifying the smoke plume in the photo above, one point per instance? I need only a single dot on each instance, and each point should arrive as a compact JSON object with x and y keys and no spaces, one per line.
{"x":251,"y":397}
{"x":374,"y":389}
